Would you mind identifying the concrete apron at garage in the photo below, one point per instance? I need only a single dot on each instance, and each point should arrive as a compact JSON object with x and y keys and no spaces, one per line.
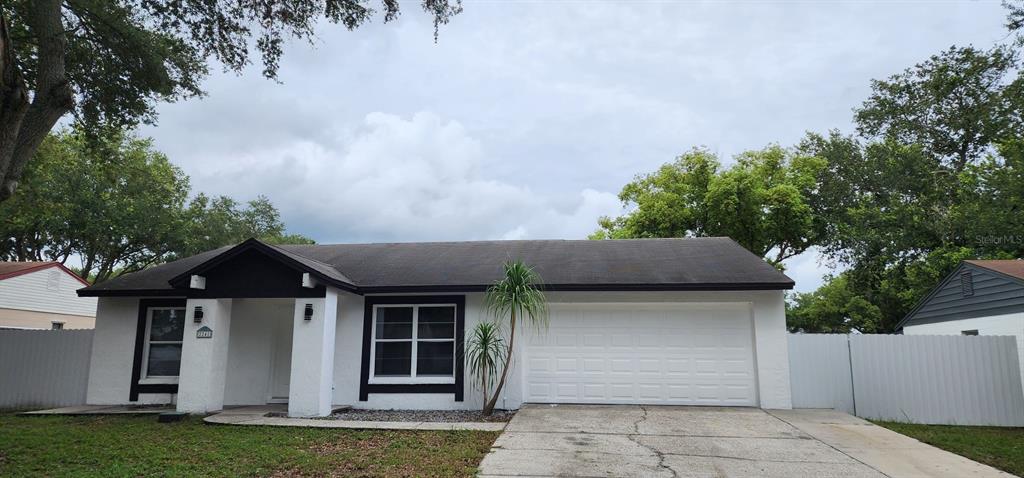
{"x":666,"y":441}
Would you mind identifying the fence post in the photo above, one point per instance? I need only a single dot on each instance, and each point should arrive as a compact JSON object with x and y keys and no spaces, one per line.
{"x":853,"y":386}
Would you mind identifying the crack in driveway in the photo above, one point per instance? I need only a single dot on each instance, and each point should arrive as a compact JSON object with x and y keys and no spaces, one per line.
{"x":637,"y":440}
{"x":695,"y":455}
{"x":657,"y":453}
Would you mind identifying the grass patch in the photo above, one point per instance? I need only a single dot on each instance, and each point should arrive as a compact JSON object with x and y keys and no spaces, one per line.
{"x":999,"y":447}
{"x":106,"y":446}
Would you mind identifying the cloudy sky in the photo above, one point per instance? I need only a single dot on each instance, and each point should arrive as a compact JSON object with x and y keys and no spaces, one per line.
{"x":526,"y":117}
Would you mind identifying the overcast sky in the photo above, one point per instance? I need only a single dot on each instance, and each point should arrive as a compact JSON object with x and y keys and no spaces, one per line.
{"x":527,"y":118}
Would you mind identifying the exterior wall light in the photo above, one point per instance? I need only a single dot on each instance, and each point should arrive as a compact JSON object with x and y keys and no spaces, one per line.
{"x":197,"y":314}
{"x":307,"y":314}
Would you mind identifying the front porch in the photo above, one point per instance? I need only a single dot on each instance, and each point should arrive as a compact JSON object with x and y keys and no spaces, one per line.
{"x":255,"y":325}
{"x":258,"y":351}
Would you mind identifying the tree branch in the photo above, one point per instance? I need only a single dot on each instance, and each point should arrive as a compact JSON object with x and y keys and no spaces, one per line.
{"x":54,"y":96}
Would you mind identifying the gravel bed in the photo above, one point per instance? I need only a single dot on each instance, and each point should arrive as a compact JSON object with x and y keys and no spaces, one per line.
{"x":446,"y":416}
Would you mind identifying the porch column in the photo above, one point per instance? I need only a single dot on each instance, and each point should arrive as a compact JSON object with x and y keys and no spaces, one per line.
{"x":311,"y":389}
{"x":204,"y":356}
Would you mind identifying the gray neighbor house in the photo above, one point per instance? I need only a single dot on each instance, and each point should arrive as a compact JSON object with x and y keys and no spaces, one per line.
{"x":980,"y":297}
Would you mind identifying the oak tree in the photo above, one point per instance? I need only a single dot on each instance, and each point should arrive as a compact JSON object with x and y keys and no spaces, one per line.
{"x":114,"y":204}
{"x":108,"y":62}
{"x":764,"y":202}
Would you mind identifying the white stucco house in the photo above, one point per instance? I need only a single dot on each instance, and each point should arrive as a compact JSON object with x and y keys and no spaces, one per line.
{"x":41,"y":295}
{"x":654,"y":321}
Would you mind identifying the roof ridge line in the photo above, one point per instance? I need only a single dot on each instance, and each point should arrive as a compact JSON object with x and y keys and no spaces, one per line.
{"x":596,"y":241}
{"x":318,"y":261}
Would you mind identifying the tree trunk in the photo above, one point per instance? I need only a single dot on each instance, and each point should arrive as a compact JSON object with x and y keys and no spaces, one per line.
{"x":13,"y":99}
{"x":483,"y":385}
{"x":106,"y":269}
{"x":489,"y":406}
{"x":87,"y":267}
{"x":24,"y":125}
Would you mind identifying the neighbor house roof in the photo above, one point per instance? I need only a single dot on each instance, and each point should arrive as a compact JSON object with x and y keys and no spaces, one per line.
{"x":14,"y":269}
{"x":1010,"y":267}
{"x":975,"y":288}
{"x":714,"y":263}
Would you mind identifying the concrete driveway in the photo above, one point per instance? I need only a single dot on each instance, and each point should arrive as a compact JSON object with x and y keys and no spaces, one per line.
{"x":661,"y":441}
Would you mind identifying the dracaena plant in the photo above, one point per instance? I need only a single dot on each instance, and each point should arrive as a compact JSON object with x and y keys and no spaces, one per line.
{"x":485,"y":355}
{"x":517,"y":296}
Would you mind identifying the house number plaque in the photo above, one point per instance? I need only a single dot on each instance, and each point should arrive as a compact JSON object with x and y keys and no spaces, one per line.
{"x":204,"y":332}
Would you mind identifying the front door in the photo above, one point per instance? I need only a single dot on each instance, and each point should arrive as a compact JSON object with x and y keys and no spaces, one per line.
{"x":281,"y":361}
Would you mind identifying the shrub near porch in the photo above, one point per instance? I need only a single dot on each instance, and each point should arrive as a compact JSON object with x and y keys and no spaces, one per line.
{"x":139,"y":446}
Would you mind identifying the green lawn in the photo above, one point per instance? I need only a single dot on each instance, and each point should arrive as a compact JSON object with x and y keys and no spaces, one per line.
{"x":104,"y":446}
{"x":999,"y":447}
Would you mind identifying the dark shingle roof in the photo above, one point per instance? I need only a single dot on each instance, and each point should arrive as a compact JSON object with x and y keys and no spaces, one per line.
{"x":683,"y":264}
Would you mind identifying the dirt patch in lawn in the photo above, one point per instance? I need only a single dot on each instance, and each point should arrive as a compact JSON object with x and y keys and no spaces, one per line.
{"x":443,"y":416}
{"x":372,"y":442}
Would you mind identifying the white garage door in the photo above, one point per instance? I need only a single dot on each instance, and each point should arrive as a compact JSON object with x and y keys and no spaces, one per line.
{"x":680,"y":354}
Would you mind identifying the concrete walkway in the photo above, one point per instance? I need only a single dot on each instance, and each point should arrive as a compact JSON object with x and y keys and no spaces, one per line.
{"x":271,"y":415}
{"x":661,"y":441}
{"x":257,"y":415}
{"x":104,"y":410}
{"x":890,"y":453}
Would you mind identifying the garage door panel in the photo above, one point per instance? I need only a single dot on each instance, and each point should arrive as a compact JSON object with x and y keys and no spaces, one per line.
{"x":538,"y":364}
{"x":567,"y":390}
{"x":645,"y":366}
{"x":620,"y":353}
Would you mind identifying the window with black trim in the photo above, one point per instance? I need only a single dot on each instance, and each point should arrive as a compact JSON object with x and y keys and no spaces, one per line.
{"x":161,"y":353}
{"x":413,"y":344}
{"x":56,"y":325}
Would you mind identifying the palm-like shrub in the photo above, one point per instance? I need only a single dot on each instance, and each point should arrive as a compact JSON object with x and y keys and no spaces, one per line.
{"x":485,"y":354}
{"x":517,"y":296}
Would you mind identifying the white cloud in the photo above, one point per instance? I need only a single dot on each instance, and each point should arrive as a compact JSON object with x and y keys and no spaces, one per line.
{"x":535,"y":112}
{"x":395,"y":178}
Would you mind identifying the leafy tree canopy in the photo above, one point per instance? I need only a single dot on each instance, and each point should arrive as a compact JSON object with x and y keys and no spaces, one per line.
{"x":217,"y":221}
{"x":935,"y":176}
{"x":764,"y":201}
{"x":956,"y":105}
{"x":834,"y":308}
{"x":110,"y":61}
{"x":117,"y":205}
{"x":900,"y":220}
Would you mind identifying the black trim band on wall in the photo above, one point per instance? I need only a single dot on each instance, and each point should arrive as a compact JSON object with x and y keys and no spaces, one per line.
{"x":140,"y":341}
{"x":458,"y":388}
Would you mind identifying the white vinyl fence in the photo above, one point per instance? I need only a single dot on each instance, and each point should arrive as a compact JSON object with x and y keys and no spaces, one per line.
{"x":933,"y":379}
{"x":43,"y":368}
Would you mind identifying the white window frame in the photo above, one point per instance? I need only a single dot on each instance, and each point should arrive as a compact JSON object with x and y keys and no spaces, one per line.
{"x":156,"y":379}
{"x":412,"y":378}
